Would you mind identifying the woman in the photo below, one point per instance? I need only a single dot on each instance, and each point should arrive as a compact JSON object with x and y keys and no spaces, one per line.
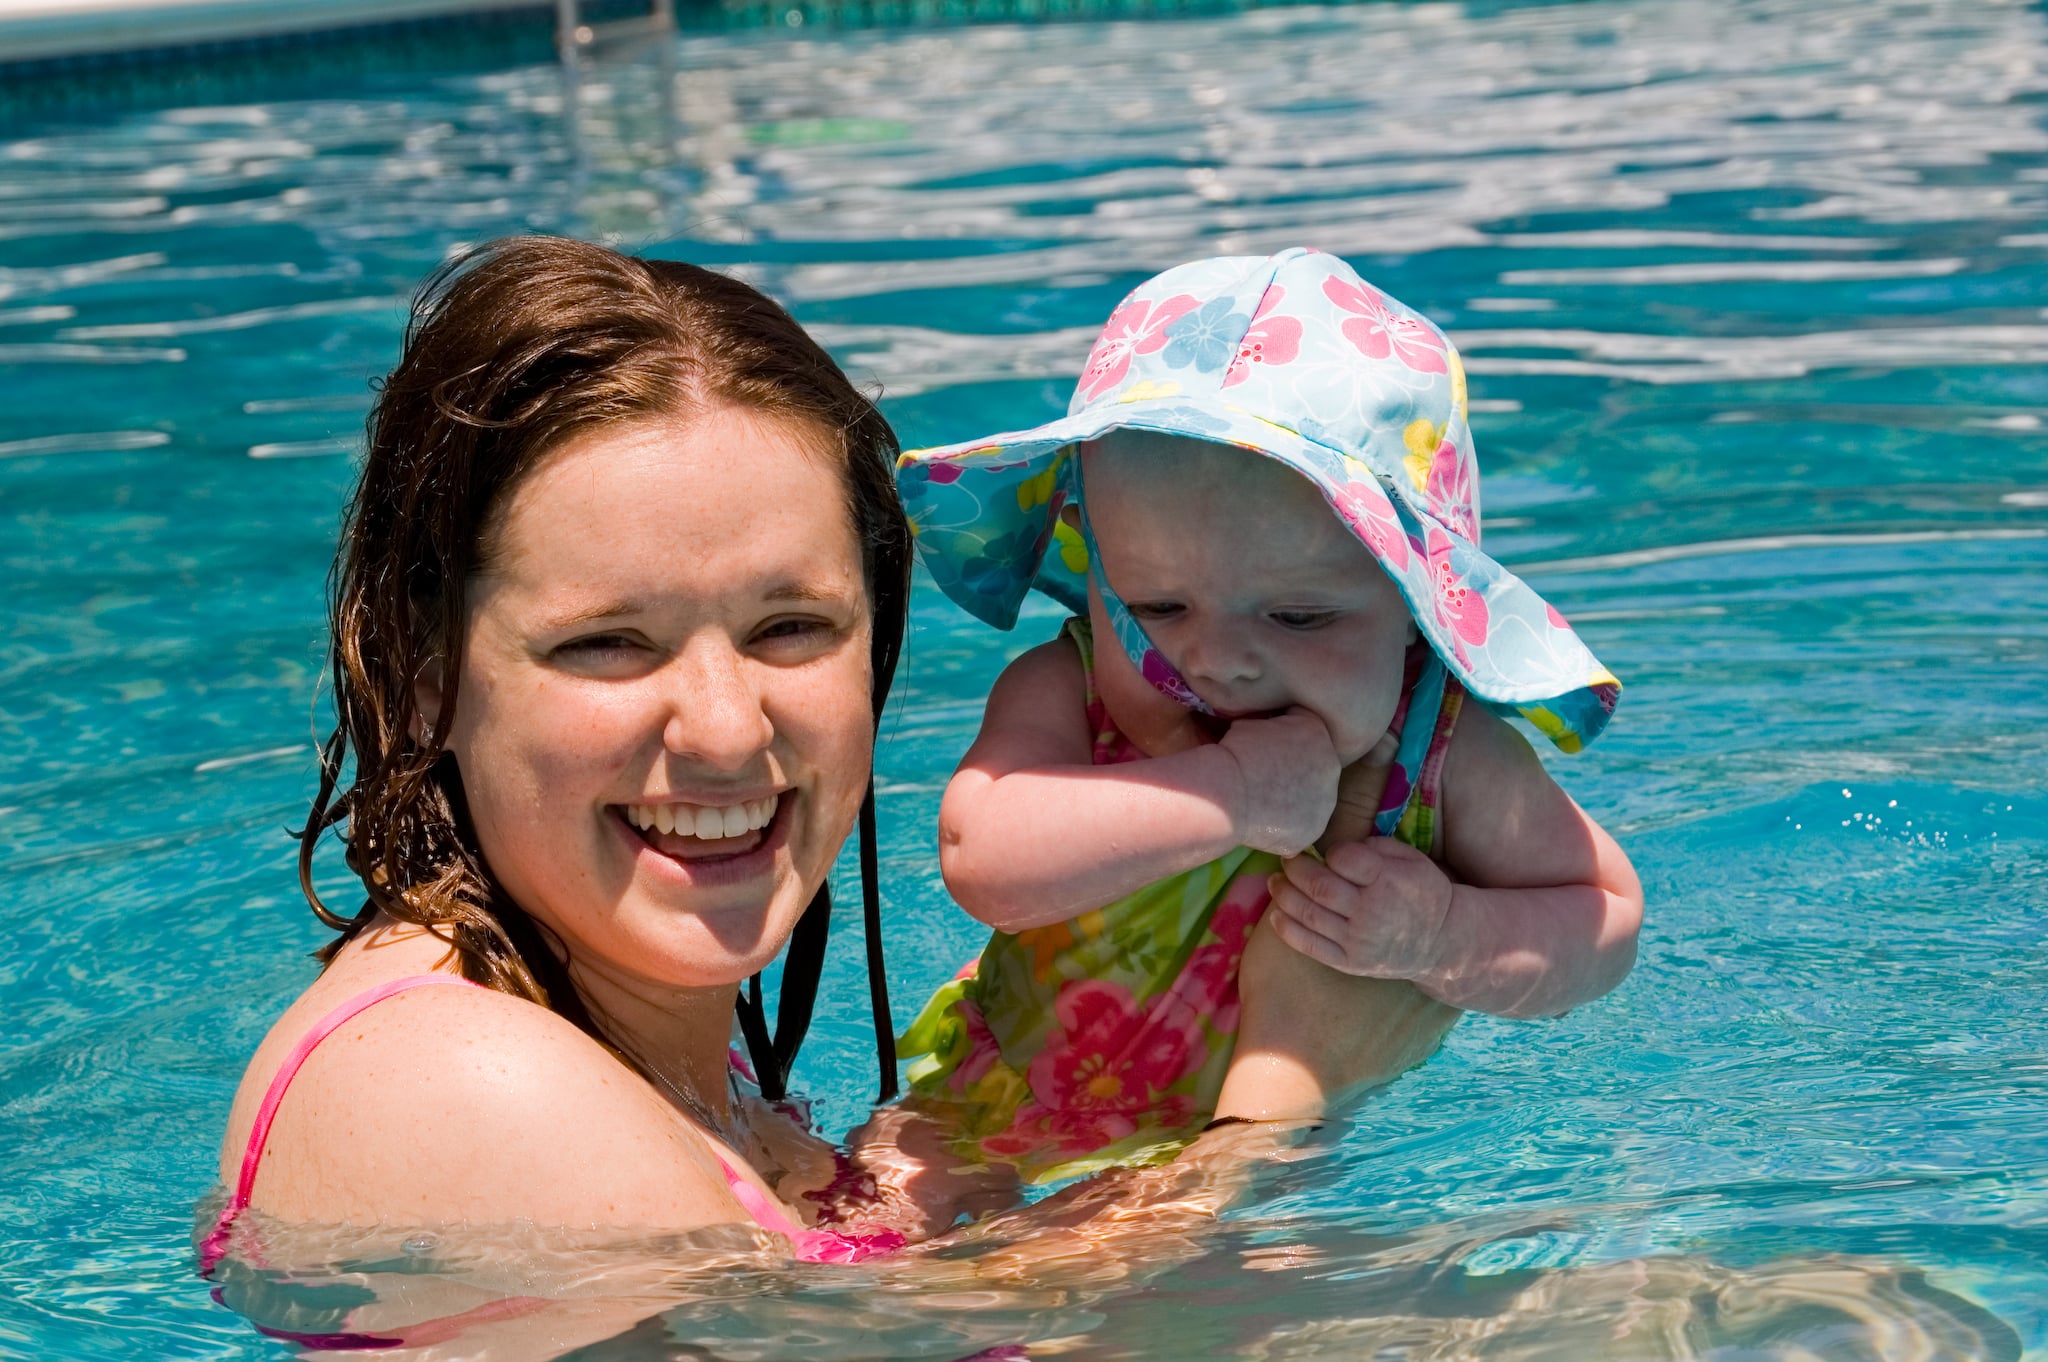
{"x":617,"y":602}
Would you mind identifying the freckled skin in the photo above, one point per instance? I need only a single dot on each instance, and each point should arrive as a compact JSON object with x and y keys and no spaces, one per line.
{"x":670,"y":610}
{"x":696,"y":701}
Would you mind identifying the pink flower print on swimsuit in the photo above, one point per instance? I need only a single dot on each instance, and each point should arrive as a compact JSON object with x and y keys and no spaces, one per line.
{"x":1207,"y":984}
{"x":1112,"y":1053}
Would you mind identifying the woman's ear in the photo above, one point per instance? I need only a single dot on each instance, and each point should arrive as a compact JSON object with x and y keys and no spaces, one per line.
{"x":426,"y":704}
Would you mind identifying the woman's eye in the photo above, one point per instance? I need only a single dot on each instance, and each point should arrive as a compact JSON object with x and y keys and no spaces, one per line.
{"x":795,"y":627}
{"x":597,"y":646}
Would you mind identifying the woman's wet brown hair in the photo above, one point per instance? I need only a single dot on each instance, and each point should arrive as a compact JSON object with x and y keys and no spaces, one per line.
{"x":512,"y":349}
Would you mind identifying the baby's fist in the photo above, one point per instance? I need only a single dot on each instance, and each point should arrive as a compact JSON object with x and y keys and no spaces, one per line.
{"x":1288,"y":769}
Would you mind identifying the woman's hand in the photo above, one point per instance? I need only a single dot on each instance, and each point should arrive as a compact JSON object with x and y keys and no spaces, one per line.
{"x":909,"y":1179}
{"x":1127,"y":1223}
{"x":1340,"y":921}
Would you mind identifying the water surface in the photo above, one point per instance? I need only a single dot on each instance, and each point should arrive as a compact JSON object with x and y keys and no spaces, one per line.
{"x":1752,"y":299}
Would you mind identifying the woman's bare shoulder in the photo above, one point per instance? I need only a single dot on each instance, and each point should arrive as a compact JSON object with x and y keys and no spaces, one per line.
{"x":465,"y":1104}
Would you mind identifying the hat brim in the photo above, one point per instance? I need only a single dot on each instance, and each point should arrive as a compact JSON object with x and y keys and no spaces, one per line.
{"x":986,"y":517}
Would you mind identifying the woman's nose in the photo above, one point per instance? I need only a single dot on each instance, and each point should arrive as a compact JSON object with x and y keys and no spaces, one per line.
{"x":715,"y":713}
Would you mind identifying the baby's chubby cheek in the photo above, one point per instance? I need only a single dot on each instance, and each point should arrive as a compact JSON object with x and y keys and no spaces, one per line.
{"x":1356,"y":728}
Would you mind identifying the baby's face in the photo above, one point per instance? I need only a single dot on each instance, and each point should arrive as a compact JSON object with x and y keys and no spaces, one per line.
{"x":1242,"y":575}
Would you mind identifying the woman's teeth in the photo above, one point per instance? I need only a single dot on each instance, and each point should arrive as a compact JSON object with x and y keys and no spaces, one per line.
{"x":703,"y":821}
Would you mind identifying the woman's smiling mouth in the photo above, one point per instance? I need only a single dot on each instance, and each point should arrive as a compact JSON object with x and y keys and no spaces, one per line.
{"x":704,"y":832}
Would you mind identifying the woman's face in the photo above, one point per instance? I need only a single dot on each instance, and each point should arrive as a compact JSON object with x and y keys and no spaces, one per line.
{"x":663,"y":722}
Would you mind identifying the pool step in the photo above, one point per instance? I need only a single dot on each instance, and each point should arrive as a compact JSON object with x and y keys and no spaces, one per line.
{"x":65,"y":57}
{"x":61,"y":58}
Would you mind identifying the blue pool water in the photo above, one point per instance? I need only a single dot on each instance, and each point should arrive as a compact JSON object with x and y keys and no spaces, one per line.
{"x":1754,"y":297}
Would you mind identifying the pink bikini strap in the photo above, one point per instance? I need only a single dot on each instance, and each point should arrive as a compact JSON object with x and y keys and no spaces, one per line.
{"x":215,"y":1245}
{"x":756,"y":1203}
{"x":259,"y":1134}
{"x":808,"y":1246}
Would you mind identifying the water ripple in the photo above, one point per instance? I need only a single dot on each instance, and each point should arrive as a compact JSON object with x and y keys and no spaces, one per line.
{"x":1751,"y":299}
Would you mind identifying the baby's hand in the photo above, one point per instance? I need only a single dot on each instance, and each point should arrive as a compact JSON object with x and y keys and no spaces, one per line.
{"x":1289,"y":767}
{"x":1373,"y":908}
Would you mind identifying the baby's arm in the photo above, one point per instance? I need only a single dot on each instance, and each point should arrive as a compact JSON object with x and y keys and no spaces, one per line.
{"x":1537,"y":914}
{"x":1032,"y":833}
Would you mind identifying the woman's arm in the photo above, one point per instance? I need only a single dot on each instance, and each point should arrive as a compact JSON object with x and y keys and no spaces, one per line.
{"x":1032,"y":833}
{"x":1122,"y":1225}
{"x":1538,"y":913}
{"x":444,"y":1105}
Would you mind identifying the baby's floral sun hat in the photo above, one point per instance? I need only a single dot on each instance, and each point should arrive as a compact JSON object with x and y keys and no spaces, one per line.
{"x":1295,"y":357}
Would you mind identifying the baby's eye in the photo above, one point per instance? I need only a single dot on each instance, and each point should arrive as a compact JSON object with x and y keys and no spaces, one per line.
{"x":1154,"y":610}
{"x":1301,"y":619}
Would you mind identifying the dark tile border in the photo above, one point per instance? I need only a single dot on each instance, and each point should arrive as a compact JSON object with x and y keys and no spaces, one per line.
{"x":297,"y":63}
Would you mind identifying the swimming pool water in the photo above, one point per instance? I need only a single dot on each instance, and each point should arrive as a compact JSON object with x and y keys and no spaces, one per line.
{"x":1753,"y":301}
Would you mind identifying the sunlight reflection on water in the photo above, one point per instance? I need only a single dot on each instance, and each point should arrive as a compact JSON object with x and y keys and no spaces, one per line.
{"x":1752,"y":299}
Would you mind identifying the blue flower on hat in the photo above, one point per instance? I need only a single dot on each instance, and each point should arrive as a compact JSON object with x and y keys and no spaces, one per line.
{"x":1309,"y":428}
{"x":1206,"y":337}
{"x":995,"y":570}
{"x":1188,"y":420}
{"x":914,"y":480}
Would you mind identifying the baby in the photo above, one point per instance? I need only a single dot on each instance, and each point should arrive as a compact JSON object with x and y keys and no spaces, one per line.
{"x":1263,"y":508}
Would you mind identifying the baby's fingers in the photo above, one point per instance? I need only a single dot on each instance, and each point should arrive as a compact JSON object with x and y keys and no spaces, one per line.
{"x":1307,"y":941}
{"x":1293,"y":905}
{"x":1326,"y":884}
{"x":1364,"y":863}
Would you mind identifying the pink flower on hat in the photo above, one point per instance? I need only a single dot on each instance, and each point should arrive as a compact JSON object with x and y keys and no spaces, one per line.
{"x":1459,"y":608}
{"x":1136,"y":328}
{"x":1368,"y":511}
{"x":1450,"y":490}
{"x":1378,"y":331}
{"x":1271,"y":340}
